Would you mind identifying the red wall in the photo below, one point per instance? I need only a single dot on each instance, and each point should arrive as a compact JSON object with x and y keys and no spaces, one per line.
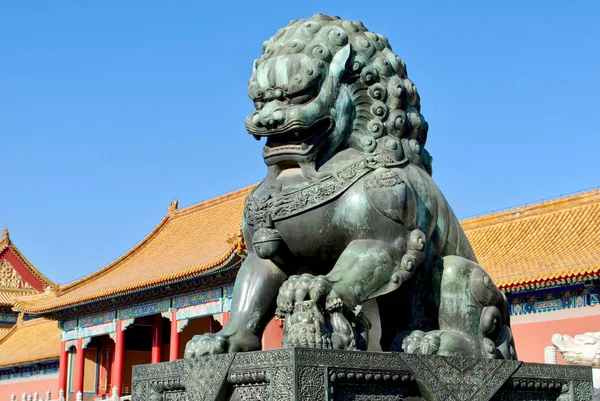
{"x":531,"y":338}
{"x":29,"y":387}
{"x":272,"y":336}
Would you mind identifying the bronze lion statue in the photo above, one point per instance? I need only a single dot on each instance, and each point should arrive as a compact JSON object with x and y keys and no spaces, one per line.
{"x":348,"y":234}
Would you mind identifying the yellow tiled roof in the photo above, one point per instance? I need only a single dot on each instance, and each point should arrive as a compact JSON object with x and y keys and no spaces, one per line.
{"x":4,"y":331}
{"x":186,"y":242}
{"x":549,"y":241}
{"x":532,"y":244}
{"x":30,"y":341}
{"x":7,"y":296}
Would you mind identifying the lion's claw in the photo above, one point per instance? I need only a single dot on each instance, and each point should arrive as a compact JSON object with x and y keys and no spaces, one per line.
{"x":206,"y":344}
{"x":334,"y":303}
{"x":412,"y":343}
{"x":445,"y":343}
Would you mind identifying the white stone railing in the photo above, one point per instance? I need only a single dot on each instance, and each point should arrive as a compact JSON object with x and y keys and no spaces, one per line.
{"x":61,"y":396}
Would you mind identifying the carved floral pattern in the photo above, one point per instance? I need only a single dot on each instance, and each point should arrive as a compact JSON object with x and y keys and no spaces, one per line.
{"x":311,"y":383}
{"x":353,"y":375}
{"x":283,"y":385}
{"x":9,"y":278}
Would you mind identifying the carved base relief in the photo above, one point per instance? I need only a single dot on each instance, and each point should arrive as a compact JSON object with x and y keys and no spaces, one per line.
{"x":312,"y":374}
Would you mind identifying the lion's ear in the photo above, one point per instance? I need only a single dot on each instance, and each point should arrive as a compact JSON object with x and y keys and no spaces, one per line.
{"x":339,"y":62}
{"x":254,"y":65}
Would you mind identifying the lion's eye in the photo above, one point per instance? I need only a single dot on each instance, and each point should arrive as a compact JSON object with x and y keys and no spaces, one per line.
{"x":259,"y":105}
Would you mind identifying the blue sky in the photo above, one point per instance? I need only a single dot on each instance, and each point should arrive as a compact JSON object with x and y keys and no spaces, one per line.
{"x":110,"y":109}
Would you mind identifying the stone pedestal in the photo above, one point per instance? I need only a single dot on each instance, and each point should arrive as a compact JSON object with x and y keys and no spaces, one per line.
{"x":314,"y":375}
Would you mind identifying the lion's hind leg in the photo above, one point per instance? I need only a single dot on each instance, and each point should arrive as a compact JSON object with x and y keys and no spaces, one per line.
{"x":472,"y":314}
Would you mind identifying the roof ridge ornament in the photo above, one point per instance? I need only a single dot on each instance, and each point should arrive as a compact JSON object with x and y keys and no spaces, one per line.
{"x":5,"y":235}
{"x":173,"y":206}
{"x":237,"y":239}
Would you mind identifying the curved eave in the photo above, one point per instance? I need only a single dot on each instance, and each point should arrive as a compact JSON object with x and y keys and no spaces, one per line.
{"x":544,"y":282}
{"x":29,"y":361}
{"x":34,"y":307}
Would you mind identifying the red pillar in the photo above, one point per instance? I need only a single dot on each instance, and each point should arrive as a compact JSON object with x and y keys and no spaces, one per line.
{"x":117,"y":372}
{"x":62,"y":367}
{"x":212,"y":324}
{"x":225,"y":318}
{"x":156,"y":338}
{"x":79,"y":366}
{"x":174,"y":348}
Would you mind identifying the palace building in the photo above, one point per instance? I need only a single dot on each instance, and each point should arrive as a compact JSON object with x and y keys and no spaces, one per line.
{"x":28,"y":346}
{"x":177,"y":282}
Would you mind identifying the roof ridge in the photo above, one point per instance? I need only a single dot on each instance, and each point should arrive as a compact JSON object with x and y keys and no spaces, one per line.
{"x":171,"y":214}
{"x":214,"y":201}
{"x":7,"y":243}
{"x":74,"y":284}
{"x":531,"y":210}
{"x":45,"y":280}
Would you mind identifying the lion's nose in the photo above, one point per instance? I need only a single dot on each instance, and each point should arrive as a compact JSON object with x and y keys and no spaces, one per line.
{"x":269,"y":117}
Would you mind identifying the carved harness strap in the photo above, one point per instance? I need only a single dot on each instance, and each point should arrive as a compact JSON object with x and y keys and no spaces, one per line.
{"x":280,"y":206}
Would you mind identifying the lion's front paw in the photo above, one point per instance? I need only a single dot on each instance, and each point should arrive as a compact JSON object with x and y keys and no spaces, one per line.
{"x":412,"y":343}
{"x":430,"y":343}
{"x":445,"y":343}
{"x":206,"y":344}
{"x":298,"y":289}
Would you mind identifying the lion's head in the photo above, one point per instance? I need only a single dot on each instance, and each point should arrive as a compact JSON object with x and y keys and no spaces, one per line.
{"x":323,"y":85}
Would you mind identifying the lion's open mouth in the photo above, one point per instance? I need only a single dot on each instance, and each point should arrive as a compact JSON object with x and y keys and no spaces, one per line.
{"x":295,"y":144}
